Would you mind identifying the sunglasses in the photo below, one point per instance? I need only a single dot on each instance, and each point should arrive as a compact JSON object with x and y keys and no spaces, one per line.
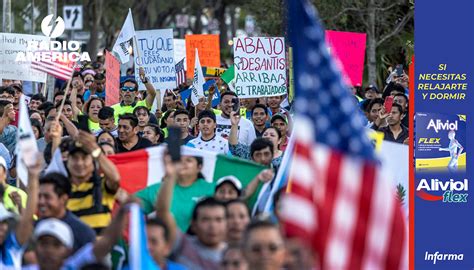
{"x":128,"y":88}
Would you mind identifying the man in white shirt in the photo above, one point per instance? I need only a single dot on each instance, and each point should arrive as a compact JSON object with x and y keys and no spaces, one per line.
{"x":246,"y":129}
{"x":208,"y":139}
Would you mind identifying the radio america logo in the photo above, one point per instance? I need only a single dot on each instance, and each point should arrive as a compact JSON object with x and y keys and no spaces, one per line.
{"x":53,"y":50}
{"x":451,"y":191}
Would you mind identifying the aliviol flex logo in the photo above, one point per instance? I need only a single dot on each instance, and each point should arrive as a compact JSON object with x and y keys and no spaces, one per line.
{"x":448,"y":192}
{"x":52,"y":50}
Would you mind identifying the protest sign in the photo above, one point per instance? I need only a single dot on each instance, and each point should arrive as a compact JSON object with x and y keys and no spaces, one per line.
{"x":213,"y":71}
{"x":10,"y":46}
{"x":179,"y":46}
{"x":260,"y":66}
{"x":208,"y":48}
{"x":349,"y":48}
{"x":112,"y":79}
{"x":156,"y":57}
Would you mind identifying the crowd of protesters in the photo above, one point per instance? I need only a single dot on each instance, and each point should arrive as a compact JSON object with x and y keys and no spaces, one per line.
{"x":77,"y":220}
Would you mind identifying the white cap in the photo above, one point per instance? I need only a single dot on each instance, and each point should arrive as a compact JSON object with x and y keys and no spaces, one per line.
{"x":56,"y":228}
{"x":3,"y":162}
{"x":232,"y":179}
{"x":4,"y":213}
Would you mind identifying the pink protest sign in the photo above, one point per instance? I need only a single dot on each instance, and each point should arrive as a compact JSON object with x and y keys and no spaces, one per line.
{"x":349,"y":48}
{"x":112,"y":79}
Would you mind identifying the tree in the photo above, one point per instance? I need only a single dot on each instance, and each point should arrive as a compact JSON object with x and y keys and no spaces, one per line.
{"x":382,"y":20}
{"x":389,"y":25}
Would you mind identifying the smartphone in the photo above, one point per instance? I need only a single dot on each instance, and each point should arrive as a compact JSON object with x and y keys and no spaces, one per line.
{"x":388,"y":104}
{"x":174,"y":143}
{"x":235,"y":105}
{"x":83,"y":123}
{"x":399,"y":70}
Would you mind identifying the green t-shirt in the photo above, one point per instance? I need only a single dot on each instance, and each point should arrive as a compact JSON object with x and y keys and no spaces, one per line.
{"x":119,"y":109}
{"x":184,"y":200}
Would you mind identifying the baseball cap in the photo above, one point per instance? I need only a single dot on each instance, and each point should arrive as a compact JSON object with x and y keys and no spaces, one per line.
{"x":372,"y":87}
{"x":279,"y":116}
{"x":56,"y":228}
{"x":17,"y":86}
{"x":75,"y":147}
{"x":232,"y":180}
{"x":5,"y":214}
{"x":88,"y":71}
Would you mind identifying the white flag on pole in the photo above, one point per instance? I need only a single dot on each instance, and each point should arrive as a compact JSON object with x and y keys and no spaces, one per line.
{"x":26,"y":147}
{"x":198,"y":81}
{"x":125,"y":39}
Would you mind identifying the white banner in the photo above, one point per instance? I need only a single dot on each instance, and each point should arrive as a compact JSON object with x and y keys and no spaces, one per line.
{"x":260,"y":66}
{"x":197,"y":90}
{"x":179,"y":50}
{"x":157,"y":58}
{"x":26,"y":147}
{"x":394,"y":157}
{"x":10,"y":46}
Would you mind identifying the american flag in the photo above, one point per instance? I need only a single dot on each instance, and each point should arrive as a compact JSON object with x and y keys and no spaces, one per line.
{"x":60,"y":68}
{"x":339,"y":197}
{"x":180,"y":73}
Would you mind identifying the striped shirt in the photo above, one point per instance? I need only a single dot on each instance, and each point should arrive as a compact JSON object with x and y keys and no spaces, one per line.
{"x":82,"y":202}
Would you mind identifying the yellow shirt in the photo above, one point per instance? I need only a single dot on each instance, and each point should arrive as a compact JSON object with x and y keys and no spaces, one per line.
{"x":119,"y":109}
{"x":81,"y":203}
{"x":7,"y":201}
{"x":243,"y":111}
{"x":93,"y":126}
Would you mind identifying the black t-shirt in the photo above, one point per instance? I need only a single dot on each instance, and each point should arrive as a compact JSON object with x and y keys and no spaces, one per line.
{"x":183,"y":141}
{"x":388,"y":135}
{"x":82,"y":233}
{"x":187,"y":139}
{"x":142,"y":143}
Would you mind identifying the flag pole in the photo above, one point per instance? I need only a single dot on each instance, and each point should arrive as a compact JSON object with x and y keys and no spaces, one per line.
{"x":58,"y":114}
{"x":135,"y":48}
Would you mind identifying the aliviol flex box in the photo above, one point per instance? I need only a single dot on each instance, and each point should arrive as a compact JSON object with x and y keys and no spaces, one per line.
{"x":440,"y":142}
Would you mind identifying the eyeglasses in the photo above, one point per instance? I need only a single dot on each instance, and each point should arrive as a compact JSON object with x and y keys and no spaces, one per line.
{"x":128,"y":88}
{"x":272,"y":248}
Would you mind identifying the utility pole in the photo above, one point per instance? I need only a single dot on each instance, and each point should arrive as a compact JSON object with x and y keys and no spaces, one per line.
{"x":32,"y":30}
{"x":7,"y":16}
{"x":52,"y":9}
{"x":34,"y":85}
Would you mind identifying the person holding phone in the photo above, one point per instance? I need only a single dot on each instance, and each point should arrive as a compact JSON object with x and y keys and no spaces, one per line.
{"x":395,"y":131}
{"x":229,"y":103}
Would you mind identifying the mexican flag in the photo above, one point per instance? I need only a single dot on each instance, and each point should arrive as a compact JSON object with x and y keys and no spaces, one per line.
{"x":142,"y":168}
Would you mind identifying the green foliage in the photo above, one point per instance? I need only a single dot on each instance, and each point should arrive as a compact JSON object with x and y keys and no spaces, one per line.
{"x":401,"y":194}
